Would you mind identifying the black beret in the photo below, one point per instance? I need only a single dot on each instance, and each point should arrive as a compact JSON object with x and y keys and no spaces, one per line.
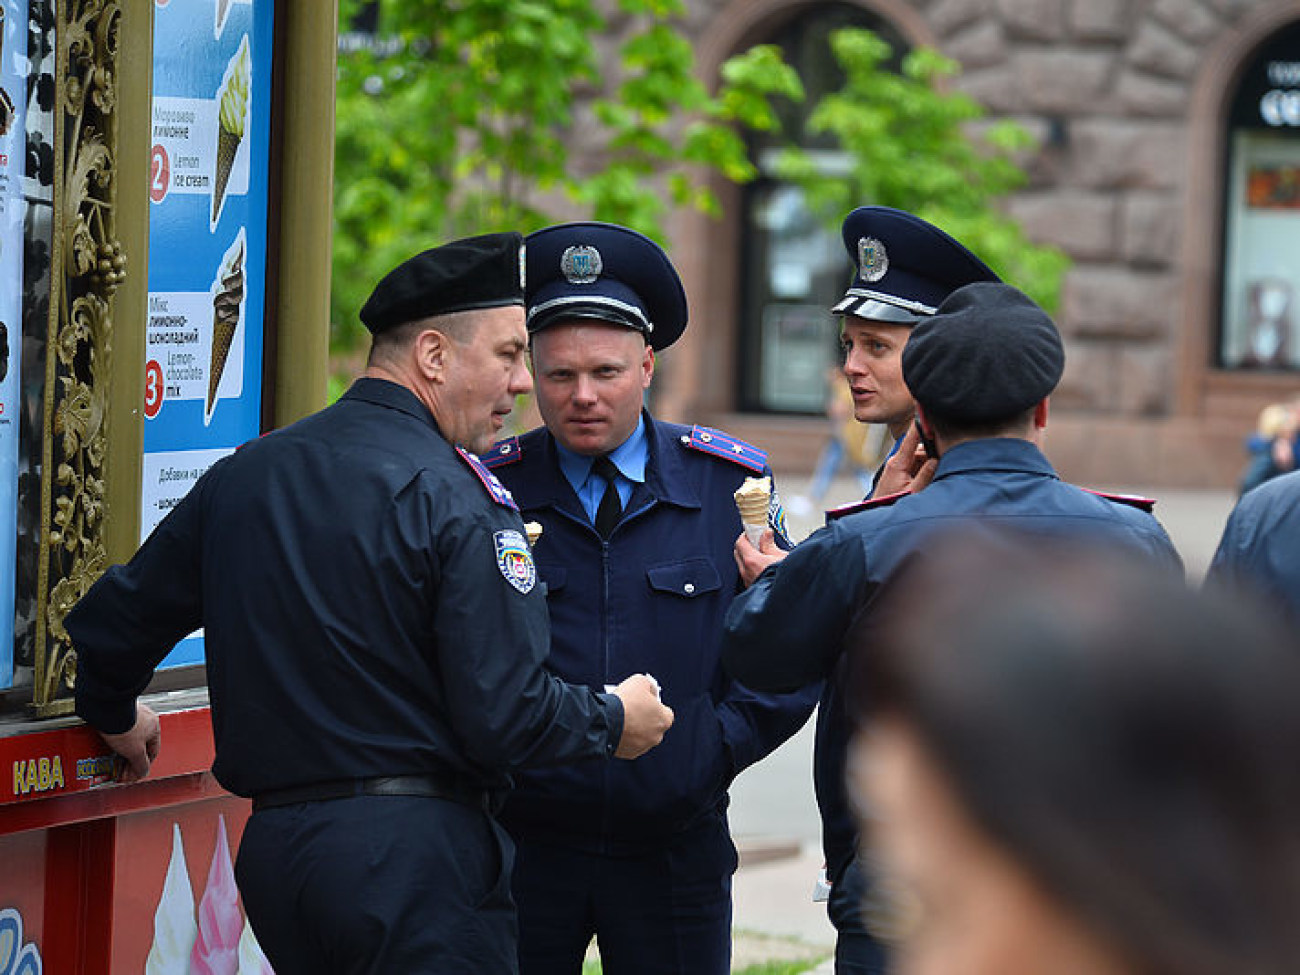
{"x":607,"y":273}
{"x":476,"y":272}
{"x":986,"y":354}
{"x":903,"y":266}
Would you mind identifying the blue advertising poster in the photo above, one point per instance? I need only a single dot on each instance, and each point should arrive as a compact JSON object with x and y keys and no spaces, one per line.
{"x":13,"y":154}
{"x":209,"y":171}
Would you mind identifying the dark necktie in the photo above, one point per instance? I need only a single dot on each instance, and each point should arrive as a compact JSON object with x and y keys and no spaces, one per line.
{"x":611,"y":507}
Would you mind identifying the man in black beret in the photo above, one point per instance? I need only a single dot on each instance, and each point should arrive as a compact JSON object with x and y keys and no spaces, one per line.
{"x":375,"y":634}
{"x":638,"y":517}
{"x":981,"y":369}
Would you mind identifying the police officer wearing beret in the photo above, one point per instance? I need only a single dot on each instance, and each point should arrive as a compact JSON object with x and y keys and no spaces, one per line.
{"x":638,"y":519}
{"x":903,"y":268}
{"x":375,"y":637}
{"x":981,"y":369}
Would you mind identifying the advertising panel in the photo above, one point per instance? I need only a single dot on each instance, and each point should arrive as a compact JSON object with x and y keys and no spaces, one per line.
{"x":208,"y":188}
{"x":13,"y":155}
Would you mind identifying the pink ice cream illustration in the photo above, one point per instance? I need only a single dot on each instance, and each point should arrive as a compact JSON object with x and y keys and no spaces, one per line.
{"x":216,"y":949}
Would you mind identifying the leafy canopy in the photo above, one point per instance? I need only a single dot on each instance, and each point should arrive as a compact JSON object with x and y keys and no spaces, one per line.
{"x":911,"y":144}
{"x":460,"y":116}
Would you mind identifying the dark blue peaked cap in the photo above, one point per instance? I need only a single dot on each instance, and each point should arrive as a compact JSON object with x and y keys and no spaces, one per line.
{"x":903,"y":267}
{"x":604,"y":272}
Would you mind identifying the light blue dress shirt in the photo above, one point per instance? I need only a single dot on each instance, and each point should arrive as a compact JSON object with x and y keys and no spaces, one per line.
{"x":629,"y":457}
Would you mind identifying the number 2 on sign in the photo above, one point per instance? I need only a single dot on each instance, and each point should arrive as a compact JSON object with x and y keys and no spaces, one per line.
{"x":160,"y":173}
{"x":153,"y":388}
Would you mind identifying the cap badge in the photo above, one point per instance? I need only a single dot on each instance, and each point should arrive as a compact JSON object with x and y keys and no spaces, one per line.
{"x":581,"y":264}
{"x":873,"y":262}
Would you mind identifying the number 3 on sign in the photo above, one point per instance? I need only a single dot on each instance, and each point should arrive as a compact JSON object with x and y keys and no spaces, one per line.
{"x":160,"y":173}
{"x":153,"y":388}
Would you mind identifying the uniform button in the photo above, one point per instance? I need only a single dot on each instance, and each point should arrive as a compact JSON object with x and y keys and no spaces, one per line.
{"x":686,"y":438}
{"x":707,"y":437}
{"x":505,"y":448}
{"x":689,"y":588}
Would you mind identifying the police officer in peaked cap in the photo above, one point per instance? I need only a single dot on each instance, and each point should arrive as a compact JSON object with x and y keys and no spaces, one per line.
{"x":638,"y":519}
{"x":981,"y":367}
{"x":903,"y":268}
{"x":375,"y":639}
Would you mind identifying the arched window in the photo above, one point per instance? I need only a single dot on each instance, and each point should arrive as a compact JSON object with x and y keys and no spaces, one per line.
{"x":1260,"y":321}
{"x":793,"y":266}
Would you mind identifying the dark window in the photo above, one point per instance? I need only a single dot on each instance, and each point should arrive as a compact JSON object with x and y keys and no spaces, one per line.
{"x":794,"y":267}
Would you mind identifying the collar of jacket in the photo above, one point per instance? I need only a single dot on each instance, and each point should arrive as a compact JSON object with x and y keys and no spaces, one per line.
{"x":666,"y":481}
{"x":394,"y":396}
{"x":994,"y":454}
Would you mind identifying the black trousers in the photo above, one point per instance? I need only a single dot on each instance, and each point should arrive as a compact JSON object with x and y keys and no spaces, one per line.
{"x":665,"y":910}
{"x":375,"y":885}
{"x":857,"y":951}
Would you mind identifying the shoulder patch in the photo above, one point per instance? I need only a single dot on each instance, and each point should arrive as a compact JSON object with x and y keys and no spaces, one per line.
{"x":834,"y":514}
{"x":719,"y":444}
{"x":502,"y":452}
{"x":1132,"y":500}
{"x":495,"y":489}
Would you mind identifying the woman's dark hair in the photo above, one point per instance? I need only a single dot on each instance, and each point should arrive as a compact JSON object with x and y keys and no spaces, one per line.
{"x":1134,"y":744}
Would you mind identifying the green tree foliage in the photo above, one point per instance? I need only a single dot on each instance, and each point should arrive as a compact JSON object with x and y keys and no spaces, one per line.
{"x":912,"y":144}
{"x":459,"y":119}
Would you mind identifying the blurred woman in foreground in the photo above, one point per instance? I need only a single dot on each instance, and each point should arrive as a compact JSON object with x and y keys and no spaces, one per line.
{"x":1069,"y":768}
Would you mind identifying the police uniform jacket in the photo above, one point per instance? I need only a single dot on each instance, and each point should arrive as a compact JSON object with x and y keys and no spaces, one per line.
{"x":1258,"y":549}
{"x":650,"y":599}
{"x":789,"y":627}
{"x":369,"y":610}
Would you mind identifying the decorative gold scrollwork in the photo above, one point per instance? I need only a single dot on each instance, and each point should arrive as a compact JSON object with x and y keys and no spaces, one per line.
{"x":89,"y":267}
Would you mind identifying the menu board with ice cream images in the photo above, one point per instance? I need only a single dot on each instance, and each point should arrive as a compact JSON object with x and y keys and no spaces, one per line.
{"x":209,"y":166}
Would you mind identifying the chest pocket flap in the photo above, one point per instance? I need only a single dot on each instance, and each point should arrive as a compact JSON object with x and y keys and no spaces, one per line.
{"x":688,"y":578}
{"x":552,"y":577}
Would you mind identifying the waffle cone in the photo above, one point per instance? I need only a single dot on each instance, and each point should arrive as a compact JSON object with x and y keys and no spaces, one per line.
{"x":227,"y":146}
{"x":752,"y":500}
{"x":223,"y":334}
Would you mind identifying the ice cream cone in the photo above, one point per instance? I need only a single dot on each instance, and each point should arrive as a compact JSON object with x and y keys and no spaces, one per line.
{"x":752,"y":500}
{"x":232,"y":107}
{"x":227,"y":146}
{"x":226,"y":304}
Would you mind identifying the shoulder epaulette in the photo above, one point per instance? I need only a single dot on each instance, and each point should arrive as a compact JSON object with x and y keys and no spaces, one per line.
{"x":864,"y":505}
{"x":501,"y":453}
{"x":1132,"y":500}
{"x":495,"y":489}
{"x":719,"y":444}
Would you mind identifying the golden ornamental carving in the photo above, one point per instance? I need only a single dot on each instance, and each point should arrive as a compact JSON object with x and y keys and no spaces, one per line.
{"x":89,"y":265}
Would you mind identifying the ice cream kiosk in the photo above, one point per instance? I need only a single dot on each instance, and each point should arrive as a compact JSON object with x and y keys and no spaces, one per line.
{"x":165,"y":186}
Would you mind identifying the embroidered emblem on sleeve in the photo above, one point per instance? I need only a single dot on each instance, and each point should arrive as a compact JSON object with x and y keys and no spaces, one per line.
{"x":515,"y":560}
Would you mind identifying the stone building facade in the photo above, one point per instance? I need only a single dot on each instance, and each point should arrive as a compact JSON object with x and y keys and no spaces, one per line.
{"x":1137,"y":104}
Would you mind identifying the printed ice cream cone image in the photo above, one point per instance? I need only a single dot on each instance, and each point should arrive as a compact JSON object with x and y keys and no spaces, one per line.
{"x":753,"y":498}
{"x":534,"y":531}
{"x":221,"y":923}
{"x":174,"y":928}
{"x":227,"y":309}
{"x":231,"y":112}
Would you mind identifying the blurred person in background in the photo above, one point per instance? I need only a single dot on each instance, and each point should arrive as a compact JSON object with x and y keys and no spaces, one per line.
{"x":1272,"y":446}
{"x":1075,"y":766}
{"x":1257,"y":552}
